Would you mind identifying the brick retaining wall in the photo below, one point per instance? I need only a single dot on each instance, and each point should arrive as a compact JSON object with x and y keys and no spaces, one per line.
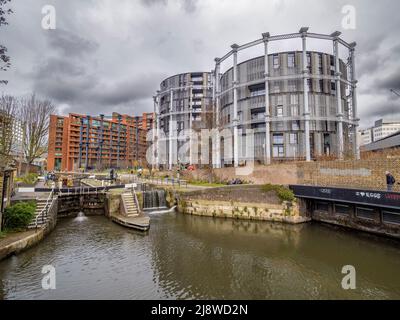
{"x":368,"y":173}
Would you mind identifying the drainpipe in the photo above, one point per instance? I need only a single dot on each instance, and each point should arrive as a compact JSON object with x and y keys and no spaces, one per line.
{"x":87,"y":142}
{"x":137,"y":141}
{"x":119,"y":139}
{"x":80,"y":145}
{"x":101,"y":140}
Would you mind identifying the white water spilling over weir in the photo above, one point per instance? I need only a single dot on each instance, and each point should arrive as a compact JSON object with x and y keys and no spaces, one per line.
{"x":80,"y":217}
{"x":154,"y":199}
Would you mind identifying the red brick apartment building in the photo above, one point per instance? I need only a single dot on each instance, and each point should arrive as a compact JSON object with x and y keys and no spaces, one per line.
{"x":84,"y":142}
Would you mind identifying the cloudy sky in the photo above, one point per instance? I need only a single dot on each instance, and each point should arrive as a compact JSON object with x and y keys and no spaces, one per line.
{"x":111,"y":55}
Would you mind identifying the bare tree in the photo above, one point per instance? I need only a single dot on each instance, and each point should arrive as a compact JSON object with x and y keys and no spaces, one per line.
{"x":4,"y":58}
{"x":36,"y":119}
{"x":9,"y":109}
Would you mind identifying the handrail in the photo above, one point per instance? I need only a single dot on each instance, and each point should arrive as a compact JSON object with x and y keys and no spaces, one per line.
{"x":136,"y":199}
{"x":166,"y":181}
{"x":45,"y":209}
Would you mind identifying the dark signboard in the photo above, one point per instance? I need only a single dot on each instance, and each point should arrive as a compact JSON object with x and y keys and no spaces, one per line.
{"x":358,"y":196}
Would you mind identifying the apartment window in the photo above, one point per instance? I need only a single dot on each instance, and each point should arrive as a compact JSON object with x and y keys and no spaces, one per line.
{"x":309,"y":61}
{"x":320,"y":63}
{"x":293,"y":138}
{"x":257,"y":116}
{"x":322,"y":111}
{"x":257,"y":93}
{"x":275,"y":59}
{"x":294,"y":99}
{"x":292,"y":85}
{"x":333,"y":86}
{"x":291,"y":60}
{"x":279,"y":111}
{"x":296,"y":125}
{"x":332,"y":60}
{"x":294,"y":110}
{"x":309,"y":84}
{"x":197,"y":79}
{"x":278,"y":151}
{"x":276,"y":87}
{"x":278,"y":147}
{"x":321,"y":85}
{"x":277,"y":138}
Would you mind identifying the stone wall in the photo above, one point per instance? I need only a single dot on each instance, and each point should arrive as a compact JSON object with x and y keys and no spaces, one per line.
{"x":242,"y":210}
{"x":240,"y":202}
{"x":113,"y":203}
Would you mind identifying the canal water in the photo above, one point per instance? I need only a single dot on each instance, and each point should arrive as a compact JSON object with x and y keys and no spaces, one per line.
{"x":187,"y":257}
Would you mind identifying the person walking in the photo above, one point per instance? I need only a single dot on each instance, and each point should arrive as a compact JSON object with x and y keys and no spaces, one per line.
{"x":390,"y":181}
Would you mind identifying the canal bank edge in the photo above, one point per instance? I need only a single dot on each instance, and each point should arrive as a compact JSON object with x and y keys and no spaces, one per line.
{"x":110,"y":205}
{"x":250,"y":203}
{"x":30,"y":239}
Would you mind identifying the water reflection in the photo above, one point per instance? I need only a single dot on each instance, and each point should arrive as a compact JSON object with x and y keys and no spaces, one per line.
{"x":196,"y":257}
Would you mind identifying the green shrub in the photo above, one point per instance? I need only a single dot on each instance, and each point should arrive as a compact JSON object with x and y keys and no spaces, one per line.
{"x":29,"y":178}
{"x":19,"y":215}
{"x":283,"y":193}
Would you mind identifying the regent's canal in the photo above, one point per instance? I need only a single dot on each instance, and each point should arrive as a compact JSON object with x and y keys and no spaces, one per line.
{"x":195,"y":257}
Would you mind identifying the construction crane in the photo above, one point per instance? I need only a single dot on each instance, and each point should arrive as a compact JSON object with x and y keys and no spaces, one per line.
{"x":394,"y":92}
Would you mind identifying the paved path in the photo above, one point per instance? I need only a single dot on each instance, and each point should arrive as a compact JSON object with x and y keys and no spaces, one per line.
{"x":140,"y":222}
{"x":164,"y":182}
{"x":32,"y":195}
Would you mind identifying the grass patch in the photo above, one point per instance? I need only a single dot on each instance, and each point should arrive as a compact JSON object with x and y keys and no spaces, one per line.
{"x":29,"y":178}
{"x":205,"y":184}
{"x":283,"y":193}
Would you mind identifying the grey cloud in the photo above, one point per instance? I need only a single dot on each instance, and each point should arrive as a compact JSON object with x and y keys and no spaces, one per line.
{"x":126,"y":91}
{"x":70,"y":44}
{"x":153,"y":2}
{"x":111,"y":56}
{"x":56,"y":66}
{"x":188,"y":6}
{"x":391,"y":81}
{"x":388,"y":109}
